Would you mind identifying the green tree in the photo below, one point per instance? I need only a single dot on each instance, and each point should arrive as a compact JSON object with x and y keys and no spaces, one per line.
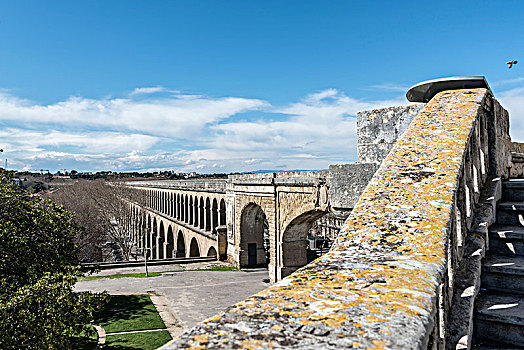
{"x":38,"y":268}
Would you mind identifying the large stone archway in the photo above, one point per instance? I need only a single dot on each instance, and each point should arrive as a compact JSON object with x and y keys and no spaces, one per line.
{"x":253,"y":227}
{"x":294,"y":243}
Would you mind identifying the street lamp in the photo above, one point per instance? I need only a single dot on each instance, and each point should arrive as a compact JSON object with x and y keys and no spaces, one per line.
{"x":146,"y":253}
{"x":2,"y":151}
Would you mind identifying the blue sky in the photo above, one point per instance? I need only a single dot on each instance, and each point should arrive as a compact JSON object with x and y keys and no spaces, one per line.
{"x":220,"y":86}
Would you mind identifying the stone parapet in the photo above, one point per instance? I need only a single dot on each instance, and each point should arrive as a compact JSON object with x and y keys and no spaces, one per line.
{"x":517,"y":159}
{"x":205,"y":185}
{"x":388,"y":281}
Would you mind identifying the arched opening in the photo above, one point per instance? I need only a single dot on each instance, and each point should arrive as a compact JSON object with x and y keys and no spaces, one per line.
{"x":194,"y":250}
{"x":180,"y":245}
{"x":214,"y":215}
{"x":212,"y":252}
{"x":172,"y":204}
{"x":190,"y":210}
{"x":208,"y":215}
{"x":170,"y":243}
{"x":296,"y":250}
{"x":154,"y":240}
{"x":178,"y":206}
{"x":197,"y":214}
{"x":186,"y":206}
{"x":182,"y":206}
{"x":222,"y":221}
{"x":161,"y":240}
{"x":254,"y":237}
{"x":201,"y":211}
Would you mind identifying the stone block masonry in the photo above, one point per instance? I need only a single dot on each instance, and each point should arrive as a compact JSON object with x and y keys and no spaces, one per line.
{"x":379,"y":129}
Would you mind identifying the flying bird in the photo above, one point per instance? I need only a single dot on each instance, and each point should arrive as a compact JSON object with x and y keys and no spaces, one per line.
{"x":511,"y":63}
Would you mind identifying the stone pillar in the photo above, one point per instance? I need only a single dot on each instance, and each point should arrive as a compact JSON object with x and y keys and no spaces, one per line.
{"x":157,"y":247}
{"x":211,"y":224}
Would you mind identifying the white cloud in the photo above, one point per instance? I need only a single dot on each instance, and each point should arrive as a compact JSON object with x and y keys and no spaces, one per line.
{"x":147,"y":90}
{"x":508,"y":81}
{"x":171,"y":117}
{"x":513,"y":101}
{"x":322,"y":126}
{"x":92,"y":142}
{"x":181,"y":132}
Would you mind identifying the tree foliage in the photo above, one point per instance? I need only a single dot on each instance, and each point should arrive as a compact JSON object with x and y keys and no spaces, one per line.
{"x":38,"y":268}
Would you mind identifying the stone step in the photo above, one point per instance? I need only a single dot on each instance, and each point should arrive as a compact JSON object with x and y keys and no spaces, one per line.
{"x":513,"y":190}
{"x":510,"y":213}
{"x":489,"y":345}
{"x":503,"y":273}
{"x":506,"y":239}
{"x":499,"y":319}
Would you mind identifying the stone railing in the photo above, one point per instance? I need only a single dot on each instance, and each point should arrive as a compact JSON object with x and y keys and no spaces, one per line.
{"x":517,"y":159}
{"x":203,"y":185}
{"x":388,"y":282}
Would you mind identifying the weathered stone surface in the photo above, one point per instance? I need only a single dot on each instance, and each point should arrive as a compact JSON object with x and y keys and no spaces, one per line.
{"x":379,"y":129}
{"x":517,"y":160}
{"x":459,"y":329}
{"x":500,"y":141}
{"x":347,"y":182}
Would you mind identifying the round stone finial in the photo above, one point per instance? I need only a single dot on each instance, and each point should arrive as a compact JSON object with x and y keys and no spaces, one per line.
{"x":424,"y":91}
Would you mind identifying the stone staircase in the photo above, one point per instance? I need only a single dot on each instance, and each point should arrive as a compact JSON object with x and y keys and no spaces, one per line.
{"x":499,"y":314}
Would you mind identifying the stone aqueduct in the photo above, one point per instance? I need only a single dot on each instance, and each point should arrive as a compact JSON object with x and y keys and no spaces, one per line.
{"x":239,"y":218}
{"x":246,"y":216}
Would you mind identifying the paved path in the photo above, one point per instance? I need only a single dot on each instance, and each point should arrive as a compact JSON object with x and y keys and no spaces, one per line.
{"x":192,"y":296}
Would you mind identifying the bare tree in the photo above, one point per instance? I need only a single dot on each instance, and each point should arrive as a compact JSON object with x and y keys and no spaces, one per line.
{"x":104,"y":209}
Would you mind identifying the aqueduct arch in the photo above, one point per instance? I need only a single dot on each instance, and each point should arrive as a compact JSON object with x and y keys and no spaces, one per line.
{"x":161,"y":240}
{"x":170,"y":246}
{"x":194,"y":249}
{"x":253,"y":223}
{"x":295,"y":241}
{"x":154,"y":240}
{"x":180,"y":245}
{"x":212,"y":252}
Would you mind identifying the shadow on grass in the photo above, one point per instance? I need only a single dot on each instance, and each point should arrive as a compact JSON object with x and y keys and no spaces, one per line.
{"x":145,"y":341}
{"x":129,"y":313}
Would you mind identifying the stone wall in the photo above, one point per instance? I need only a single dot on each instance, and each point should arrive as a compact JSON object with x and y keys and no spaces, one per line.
{"x":517,"y":159}
{"x":347,"y":182}
{"x":379,"y":129}
{"x":389,"y":280}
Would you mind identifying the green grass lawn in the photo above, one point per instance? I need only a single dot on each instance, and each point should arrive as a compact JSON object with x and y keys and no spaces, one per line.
{"x":145,"y":340}
{"x":212,"y":267}
{"x":129,"y":313}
